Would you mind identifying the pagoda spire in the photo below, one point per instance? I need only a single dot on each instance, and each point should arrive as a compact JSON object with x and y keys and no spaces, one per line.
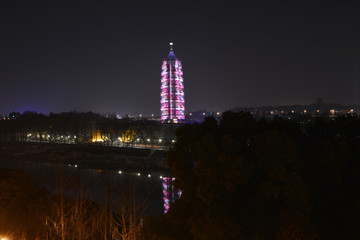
{"x":171,"y":46}
{"x":171,"y":55}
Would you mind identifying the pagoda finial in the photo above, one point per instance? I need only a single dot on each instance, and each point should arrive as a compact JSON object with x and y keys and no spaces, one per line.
{"x":171,"y":46}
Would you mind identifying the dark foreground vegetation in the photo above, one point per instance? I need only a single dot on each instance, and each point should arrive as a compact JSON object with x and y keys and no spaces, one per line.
{"x":243,"y":179}
{"x":28,"y":212}
{"x":240,"y":179}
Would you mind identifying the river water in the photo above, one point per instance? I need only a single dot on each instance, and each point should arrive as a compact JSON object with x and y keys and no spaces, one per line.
{"x":153,"y":192}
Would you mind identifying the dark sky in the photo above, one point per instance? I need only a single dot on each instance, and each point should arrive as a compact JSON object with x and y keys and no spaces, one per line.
{"x":106,"y":56}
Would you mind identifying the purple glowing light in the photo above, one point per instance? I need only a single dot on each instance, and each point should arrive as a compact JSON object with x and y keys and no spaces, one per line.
{"x":172,"y":89}
{"x":170,"y":194}
{"x":166,"y":198}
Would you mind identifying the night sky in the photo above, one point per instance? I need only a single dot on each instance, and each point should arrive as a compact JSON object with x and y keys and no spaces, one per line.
{"x":106,"y":56}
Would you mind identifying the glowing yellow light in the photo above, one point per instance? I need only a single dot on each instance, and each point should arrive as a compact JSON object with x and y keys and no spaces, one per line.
{"x":304,"y":111}
{"x":128,"y":136}
{"x":218,"y":113}
{"x":96,"y":136}
{"x":190,"y":114}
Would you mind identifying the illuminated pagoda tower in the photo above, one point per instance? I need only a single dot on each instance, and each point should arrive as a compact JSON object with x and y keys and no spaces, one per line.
{"x":172,"y":90}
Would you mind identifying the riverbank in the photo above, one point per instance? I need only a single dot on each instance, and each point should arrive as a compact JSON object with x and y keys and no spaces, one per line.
{"x":97,"y":157}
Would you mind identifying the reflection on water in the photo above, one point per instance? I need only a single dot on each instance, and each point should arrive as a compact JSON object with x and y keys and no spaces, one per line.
{"x":157,"y":192}
{"x":169,"y":193}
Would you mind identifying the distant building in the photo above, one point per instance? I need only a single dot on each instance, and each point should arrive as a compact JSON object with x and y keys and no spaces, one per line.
{"x":172,"y":90}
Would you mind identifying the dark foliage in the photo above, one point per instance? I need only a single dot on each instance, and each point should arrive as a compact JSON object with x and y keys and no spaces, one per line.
{"x":22,"y":205}
{"x":243,"y":179}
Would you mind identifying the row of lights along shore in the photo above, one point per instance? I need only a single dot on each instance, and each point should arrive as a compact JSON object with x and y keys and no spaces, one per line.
{"x":121,"y":172}
{"x":332,"y":111}
{"x":139,"y":174}
{"x":190,"y":114}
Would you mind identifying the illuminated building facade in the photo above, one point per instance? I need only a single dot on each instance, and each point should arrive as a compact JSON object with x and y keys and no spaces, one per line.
{"x":172,"y":90}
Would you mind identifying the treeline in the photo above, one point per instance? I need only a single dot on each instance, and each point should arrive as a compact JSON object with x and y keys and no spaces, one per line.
{"x":28,"y":212}
{"x":74,"y":127}
{"x":248,"y":179}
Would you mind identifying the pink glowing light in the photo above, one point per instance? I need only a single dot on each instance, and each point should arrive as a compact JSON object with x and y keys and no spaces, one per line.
{"x":166,"y":194}
{"x":172,"y":89}
{"x":170,"y":194}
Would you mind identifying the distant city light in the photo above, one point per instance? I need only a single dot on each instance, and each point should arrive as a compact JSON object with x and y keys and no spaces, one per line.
{"x":120,"y":172}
